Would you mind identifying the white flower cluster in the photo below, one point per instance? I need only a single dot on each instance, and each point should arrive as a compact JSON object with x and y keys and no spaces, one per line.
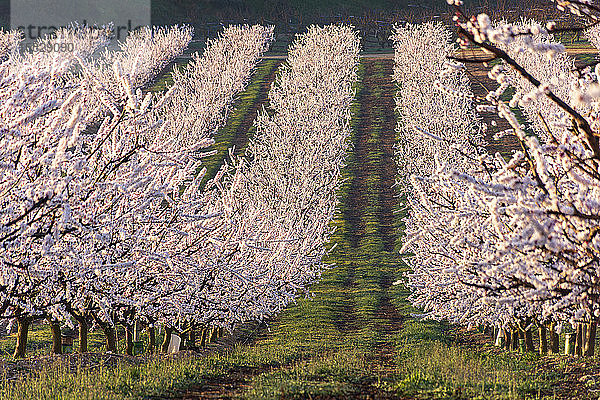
{"x":434,"y":100}
{"x":91,"y":193}
{"x":579,"y":8}
{"x":103,"y":213}
{"x":555,"y":73}
{"x":511,"y":243}
{"x":9,"y":43}
{"x":208,"y":83}
{"x":452,"y":139}
{"x":141,"y":57}
{"x":282,"y":195}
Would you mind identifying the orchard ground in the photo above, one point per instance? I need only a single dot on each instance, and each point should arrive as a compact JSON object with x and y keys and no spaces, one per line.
{"x":356,"y":338}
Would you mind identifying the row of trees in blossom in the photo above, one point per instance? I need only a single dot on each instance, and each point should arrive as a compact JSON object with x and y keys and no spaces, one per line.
{"x":506,"y":243}
{"x":104,"y":219}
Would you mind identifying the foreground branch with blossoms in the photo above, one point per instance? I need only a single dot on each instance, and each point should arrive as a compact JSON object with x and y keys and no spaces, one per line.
{"x":513,"y":243}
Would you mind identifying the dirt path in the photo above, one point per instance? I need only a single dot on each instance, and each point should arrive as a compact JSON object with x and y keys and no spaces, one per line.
{"x":380,"y":120}
{"x":371,"y":200}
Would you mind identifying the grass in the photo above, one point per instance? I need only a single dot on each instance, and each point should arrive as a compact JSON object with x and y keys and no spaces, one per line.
{"x":435,"y":366}
{"x":354,"y":338}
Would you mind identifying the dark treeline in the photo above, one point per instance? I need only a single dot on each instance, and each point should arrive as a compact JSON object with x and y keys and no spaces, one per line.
{"x":311,"y":11}
{"x":374,"y":18}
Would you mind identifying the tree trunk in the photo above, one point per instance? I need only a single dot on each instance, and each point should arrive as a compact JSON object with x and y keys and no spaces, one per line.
{"x":529,"y":341}
{"x":151,"y":339}
{"x":498,"y":337}
{"x":136,"y":331}
{"x":203,"y":334}
{"x":554,"y":340}
{"x":22,"y":331}
{"x":583,"y":337}
{"x":192,"y":336}
{"x":507,"y":339}
{"x":111,"y":338}
{"x":56,"y":337}
{"x":543,"y":340}
{"x":129,"y":332}
{"x":83,"y":335}
{"x":590,"y":343}
{"x":578,"y":339}
{"x":521,"y":341}
{"x":515,"y":340}
{"x":570,"y":343}
{"x":166,"y":340}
